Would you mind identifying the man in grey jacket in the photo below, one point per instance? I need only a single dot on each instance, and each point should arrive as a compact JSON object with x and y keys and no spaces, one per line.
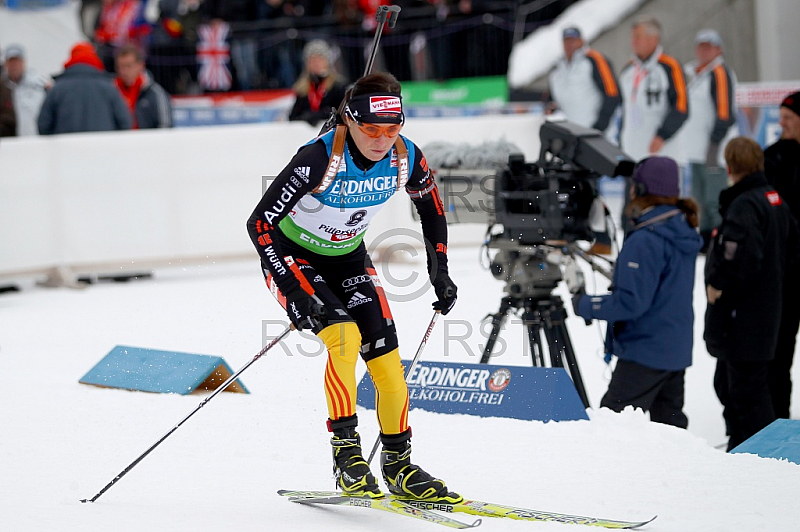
{"x":148,"y":102}
{"x":83,"y":98}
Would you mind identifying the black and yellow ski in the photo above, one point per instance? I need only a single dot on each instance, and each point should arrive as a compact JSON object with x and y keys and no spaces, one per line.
{"x":479,"y":508}
{"x":386,"y":504}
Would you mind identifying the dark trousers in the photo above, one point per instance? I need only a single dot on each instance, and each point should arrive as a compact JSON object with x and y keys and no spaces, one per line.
{"x":780,"y":378}
{"x":707,"y":183}
{"x":657,"y":391}
{"x":743,"y":390}
{"x":350,"y":289}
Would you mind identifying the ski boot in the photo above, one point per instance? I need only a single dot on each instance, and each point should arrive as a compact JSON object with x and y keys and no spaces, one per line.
{"x":350,"y":470}
{"x":407,"y":480}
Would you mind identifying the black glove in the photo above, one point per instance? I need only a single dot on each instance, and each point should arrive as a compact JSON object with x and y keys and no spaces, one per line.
{"x":576,"y":301}
{"x":305,"y":311}
{"x":445,"y":290}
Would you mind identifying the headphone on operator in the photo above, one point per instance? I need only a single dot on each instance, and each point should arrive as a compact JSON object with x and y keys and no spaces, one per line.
{"x":639,"y":188}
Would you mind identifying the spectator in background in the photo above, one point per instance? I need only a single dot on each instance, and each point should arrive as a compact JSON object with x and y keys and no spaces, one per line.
{"x":120,"y":22}
{"x":583,"y":86}
{"x":744,"y":274}
{"x":8,"y":119}
{"x":352,"y":26}
{"x":649,"y":312}
{"x":396,"y":42}
{"x":319,"y":87}
{"x":446,"y":46}
{"x":654,"y":99}
{"x":27,"y":88}
{"x":281,"y":60}
{"x":173,"y":45}
{"x":89,"y":15}
{"x":782,"y":165}
{"x":243,"y":49}
{"x":147,"y":101}
{"x":83,"y":98}
{"x":712,"y":87}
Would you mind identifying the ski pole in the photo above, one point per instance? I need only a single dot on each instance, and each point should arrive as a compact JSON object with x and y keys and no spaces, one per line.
{"x":408,"y":372}
{"x":224,"y":385}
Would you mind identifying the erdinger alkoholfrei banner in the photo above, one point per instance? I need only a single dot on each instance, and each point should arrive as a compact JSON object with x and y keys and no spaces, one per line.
{"x":529,"y":393}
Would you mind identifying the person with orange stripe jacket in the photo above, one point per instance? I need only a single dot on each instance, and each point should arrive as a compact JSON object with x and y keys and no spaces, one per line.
{"x":585,"y":89}
{"x":308,"y":229}
{"x":654,"y":100}
{"x":711,"y":86}
{"x":583,"y":84}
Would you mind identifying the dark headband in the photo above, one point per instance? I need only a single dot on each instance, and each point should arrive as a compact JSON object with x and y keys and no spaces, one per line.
{"x":376,"y":108}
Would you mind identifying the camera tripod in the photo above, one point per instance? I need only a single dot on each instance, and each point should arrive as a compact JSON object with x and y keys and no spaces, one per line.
{"x":542,"y":315}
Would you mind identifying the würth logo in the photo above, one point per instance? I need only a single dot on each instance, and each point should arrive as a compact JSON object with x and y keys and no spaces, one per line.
{"x":773,"y":198}
{"x":385,"y":104}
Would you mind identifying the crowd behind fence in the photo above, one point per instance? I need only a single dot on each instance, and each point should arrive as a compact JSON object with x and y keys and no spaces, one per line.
{"x":262,"y":42}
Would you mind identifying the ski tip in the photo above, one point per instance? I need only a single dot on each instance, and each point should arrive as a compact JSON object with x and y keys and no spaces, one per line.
{"x":643,"y":523}
{"x":476,"y":523}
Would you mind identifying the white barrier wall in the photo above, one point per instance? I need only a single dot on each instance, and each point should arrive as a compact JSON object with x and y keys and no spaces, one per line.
{"x":130,"y":200}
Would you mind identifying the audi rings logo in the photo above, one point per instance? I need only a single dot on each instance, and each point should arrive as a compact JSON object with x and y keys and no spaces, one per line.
{"x":352,"y":281}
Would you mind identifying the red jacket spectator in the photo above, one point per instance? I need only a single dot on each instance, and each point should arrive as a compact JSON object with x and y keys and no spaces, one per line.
{"x":120,"y":21}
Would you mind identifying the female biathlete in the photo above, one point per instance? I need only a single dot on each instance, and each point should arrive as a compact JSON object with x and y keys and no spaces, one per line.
{"x":308,"y":229}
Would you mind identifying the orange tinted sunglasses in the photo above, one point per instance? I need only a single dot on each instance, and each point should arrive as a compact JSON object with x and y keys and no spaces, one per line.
{"x":375,"y":132}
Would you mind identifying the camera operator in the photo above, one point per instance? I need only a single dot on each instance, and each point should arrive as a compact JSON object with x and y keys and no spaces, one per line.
{"x":649,"y":310}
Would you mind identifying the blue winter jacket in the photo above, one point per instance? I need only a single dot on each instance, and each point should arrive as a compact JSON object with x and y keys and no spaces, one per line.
{"x":649,"y":310}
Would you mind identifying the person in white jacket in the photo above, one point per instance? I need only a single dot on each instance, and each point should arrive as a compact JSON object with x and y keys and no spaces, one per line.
{"x":583,"y":84}
{"x":654,"y":100}
{"x":28,"y":90}
{"x":711,"y":85}
{"x":585,"y":90}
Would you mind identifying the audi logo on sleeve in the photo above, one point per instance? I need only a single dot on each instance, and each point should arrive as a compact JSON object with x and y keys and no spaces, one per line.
{"x":353,"y":281}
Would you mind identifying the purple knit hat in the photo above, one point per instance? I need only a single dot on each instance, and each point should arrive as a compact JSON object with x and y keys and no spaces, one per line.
{"x":659,"y":175}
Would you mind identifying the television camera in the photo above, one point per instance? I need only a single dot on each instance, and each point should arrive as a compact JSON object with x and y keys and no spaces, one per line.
{"x":543,"y":209}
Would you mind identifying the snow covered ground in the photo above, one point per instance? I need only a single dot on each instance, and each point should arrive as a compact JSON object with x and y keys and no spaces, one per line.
{"x":61,"y":441}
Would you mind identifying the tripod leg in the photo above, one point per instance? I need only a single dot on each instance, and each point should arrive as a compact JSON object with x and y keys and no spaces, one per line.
{"x":562,"y":344}
{"x":533,"y":324}
{"x":497,"y":324}
{"x":572,"y":363}
{"x":554,"y":342}
{"x":532,"y":319}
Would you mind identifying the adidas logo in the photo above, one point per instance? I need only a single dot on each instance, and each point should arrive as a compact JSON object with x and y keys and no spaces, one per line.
{"x":357,"y":299}
{"x":302,"y":172}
